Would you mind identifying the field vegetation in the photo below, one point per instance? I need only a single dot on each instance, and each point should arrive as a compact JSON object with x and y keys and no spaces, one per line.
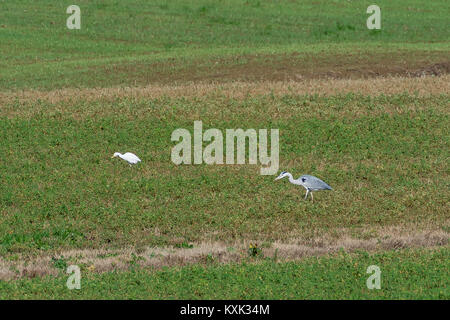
{"x":367,"y":111}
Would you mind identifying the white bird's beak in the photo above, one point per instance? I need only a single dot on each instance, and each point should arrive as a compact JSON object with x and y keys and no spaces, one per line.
{"x":277,"y":178}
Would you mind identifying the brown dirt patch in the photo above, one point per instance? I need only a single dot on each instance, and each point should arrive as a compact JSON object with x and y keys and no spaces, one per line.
{"x":281,"y":67}
{"x":436,"y":69}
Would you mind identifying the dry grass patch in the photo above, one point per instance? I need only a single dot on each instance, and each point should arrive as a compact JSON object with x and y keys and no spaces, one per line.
{"x":104,"y":260}
{"x":420,"y":86}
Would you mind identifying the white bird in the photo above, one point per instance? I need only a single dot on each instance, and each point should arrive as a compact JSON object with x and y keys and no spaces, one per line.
{"x":129,"y":157}
{"x":310,"y":183}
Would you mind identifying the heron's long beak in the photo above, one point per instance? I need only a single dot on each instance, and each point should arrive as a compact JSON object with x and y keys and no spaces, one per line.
{"x":277,"y":178}
{"x":112,"y":157}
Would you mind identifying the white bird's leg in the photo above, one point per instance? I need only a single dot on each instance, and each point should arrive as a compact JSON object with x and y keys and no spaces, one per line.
{"x":306,"y":196}
{"x":312,"y":198}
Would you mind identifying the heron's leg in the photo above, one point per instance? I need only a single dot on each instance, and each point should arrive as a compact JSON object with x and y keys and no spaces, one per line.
{"x":306,"y":196}
{"x":312,"y":198}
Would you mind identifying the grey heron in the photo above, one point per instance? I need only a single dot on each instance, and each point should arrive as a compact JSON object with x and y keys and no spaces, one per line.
{"x":310,"y":183}
{"x":129,"y":157}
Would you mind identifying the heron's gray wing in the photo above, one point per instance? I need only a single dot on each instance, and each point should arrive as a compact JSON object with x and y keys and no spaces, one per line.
{"x":314,"y":183}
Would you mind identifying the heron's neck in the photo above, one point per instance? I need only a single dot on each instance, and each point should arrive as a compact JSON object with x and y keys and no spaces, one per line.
{"x":292,"y":180}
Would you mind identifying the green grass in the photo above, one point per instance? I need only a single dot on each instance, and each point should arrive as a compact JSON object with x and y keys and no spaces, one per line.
{"x":39,"y":51}
{"x":406,"y":274}
{"x":385,"y":157}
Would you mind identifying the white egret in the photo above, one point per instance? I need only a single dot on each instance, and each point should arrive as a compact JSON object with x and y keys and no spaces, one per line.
{"x":129,"y":157}
{"x":310,"y":183}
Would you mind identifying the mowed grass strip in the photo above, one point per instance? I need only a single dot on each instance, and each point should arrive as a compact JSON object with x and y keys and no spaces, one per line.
{"x":386,"y":158}
{"x":405,"y":274}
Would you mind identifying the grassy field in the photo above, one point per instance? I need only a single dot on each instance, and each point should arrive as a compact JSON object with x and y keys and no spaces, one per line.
{"x":367,"y":111}
{"x":386,"y":158}
{"x":140,"y":42}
